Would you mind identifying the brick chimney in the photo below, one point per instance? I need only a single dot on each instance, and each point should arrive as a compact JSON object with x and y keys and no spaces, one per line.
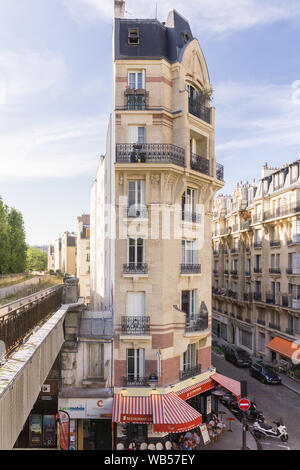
{"x":119,"y":9}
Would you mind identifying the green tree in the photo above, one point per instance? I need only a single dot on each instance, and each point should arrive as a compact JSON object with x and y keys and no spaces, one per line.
{"x":18,"y":247}
{"x":37,"y":260}
{"x":4,"y":238}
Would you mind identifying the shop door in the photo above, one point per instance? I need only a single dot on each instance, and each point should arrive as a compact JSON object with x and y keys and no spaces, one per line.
{"x":103,"y":435}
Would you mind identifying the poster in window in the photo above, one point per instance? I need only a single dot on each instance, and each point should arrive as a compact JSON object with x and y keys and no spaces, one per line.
{"x":49,"y":431}
{"x":35,"y":431}
{"x":208,"y":405}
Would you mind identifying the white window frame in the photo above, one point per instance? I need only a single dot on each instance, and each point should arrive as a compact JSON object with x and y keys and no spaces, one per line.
{"x":136,"y":72}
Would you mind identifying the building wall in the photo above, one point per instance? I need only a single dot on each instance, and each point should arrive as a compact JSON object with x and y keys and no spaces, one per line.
{"x":83,"y":256}
{"x":68,"y":254}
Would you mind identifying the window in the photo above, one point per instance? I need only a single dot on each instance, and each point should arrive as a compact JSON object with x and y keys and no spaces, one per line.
{"x":136,"y":251}
{"x":88,"y":257}
{"x":136,"y":79}
{"x":189,"y":302}
{"x":190,"y":357}
{"x":135,"y":365}
{"x":136,"y":304}
{"x":261,"y":342}
{"x":133,"y":36}
{"x":136,"y":197}
{"x":137,"y":134}
{"x":95,"y":360}
{"x":189,"y":252}
{"x":189,"y":202}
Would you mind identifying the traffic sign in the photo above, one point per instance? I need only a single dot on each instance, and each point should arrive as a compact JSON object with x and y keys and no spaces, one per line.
{"x":244,"y":404}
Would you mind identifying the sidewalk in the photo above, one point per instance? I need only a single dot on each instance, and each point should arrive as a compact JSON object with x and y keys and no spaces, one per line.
{"x":231,"y":440}
{"x":286,"y":381}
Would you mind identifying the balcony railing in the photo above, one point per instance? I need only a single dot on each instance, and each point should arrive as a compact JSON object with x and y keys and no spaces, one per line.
{"x":294,"y":241}
{"x":135,"y":325}
{"x":239,"y":317}
{"x":220,"y":171}
{"x":234,"y":251}
{"x":200,"y":164}
{"x":275,"y":243}
{"x":150,"y":153}
{"x":274,"y":326}
{"x":257,"y":270}
{"x":274,"y":270}
{"x":293,"y":271}
{"x":197,"y":323}
{"x":257,"y":244}
{"x":283,"y":210}
{"x":190,"y":372}
{"x":135,"y":268}
{"x":234,"y":272}
{"x":289,"y":331}
{"x":135,"y":381}
{"x":199,"y":110}
{"x":247,"y":296}
{"x":260,"y":321}
{"x":190,"y":268}
{"x":136,"y":99}
{"x":257,"y":296}
{"x":270,"y":298}
{"x":245,"y":225}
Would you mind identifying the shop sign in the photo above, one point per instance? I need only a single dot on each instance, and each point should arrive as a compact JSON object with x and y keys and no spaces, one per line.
{"x":204,"y":434}
{"x":142,"y":419}
{"x":208,"y":405}
{"x":97,"y":408}
{"x":87,"y":408}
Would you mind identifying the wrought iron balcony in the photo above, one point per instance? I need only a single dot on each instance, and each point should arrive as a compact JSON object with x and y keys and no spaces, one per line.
{"x":274,"y":326}
{"x":257,"y":296}
{"x":245,"y":225}
{"x":196,"y":323}
{"x":293,"y":271}
{"x":131,"y":381}
{"x":275,"y":243}
{"x":275,"y":271}
{"x":248,"y":320}
{"x":135,"y":268}
{"x":234,"y":272}
{"x":199,"y":163}
{"x":294,"y":241}
{"x":257,"y":244}
{"x":190,"y":268}
{"x":234,"y":251}
{"x":190,"y":372}
{"x":257,"y":270}
{"x":260,"y":321}
{"x":136,"y":99}
{"x":150,"y":153}
{"x":216,"y":272}
{"x":283,"y":210}
{"x":135,"y":325}
{"x":270,"y":298}
{"x":199,"y":110}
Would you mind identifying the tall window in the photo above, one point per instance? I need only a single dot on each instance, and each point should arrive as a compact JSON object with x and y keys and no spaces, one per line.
{"x":135,"y":365}
{"x":189,"y":252}
{"x":136,"y":198}
{"x":136,"y":79}
{"x":189,"y":202}
{"x":137,"y":134}
{"x":135,"y":304}
{"x":95,"y":360}
{"x":189,"y":302}
{"x":190,"y":357}
{"x":136,"y":251}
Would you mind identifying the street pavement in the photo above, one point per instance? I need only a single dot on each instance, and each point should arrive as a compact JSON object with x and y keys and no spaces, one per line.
{"x":275,"y":401}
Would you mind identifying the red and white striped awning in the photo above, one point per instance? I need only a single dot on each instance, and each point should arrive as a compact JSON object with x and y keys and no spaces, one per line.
{"x":230,"y":384}
{"x":172,"y":414}
{"x":196,"y":389}
{"x":132,"y":409}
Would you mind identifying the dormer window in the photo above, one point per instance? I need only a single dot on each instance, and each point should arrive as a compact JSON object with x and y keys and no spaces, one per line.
{"x":133,"y":36}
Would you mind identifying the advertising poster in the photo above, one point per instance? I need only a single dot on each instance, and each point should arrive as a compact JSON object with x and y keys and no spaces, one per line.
{"x":35,"y":430}
{"x":204,"y":434}
{"x":49,"y":431}
{"x":208,"y":405}
{"x":64,"y":430}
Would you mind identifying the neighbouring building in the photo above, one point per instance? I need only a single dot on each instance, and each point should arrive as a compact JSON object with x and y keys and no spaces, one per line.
{"x":51,"y":258}
{"x":57,"y":254}
{"x":151,"y":217}
{"x":256,"y":264}
{"x":83,"y":256}
{"x":68,"y":253}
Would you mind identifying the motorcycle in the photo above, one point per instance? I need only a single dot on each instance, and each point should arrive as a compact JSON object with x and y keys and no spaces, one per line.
{"x":252,"y":414}
{"x":265,"y":430}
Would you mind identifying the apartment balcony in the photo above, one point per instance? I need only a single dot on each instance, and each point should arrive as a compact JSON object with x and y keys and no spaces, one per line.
{"x":226,"y":272}
{"x":196,"y":323}
{"x":216,"y":272}
{"x":135,"y":268}
{"x":249,"y":321}
{"x":284,"y":210}
{"x":260,"y":321}
{"x":257,"y":296}
{"x":130,"y":381}
{"x":257,"y":270}
{"x":274,"y":326}
{"x":190,"y":372}
{"x":275,"y":243}
{"x":256,"y":218}
{"x":199,"y":163}
{"x":199,"y":110}
{"x":234,"y":251}
{"x":248,"y":249}
{"x":136,"y":99}
{"x":293,"y":271}
{"x":294,"y":241}
{"x":234,"y":273}
{"x":245,"y":225}
{"x":150,"y":153}
{"x":190,"y":268}
{"x":275,"y":271}
{"x":257,"y":244}
{"x":220,"y":171}
{"x":135,"y":326}
{"x":290,"y":331}
{"x":270,"y":298}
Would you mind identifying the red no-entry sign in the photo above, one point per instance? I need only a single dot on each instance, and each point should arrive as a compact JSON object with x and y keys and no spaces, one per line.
{"x":244,"y":404}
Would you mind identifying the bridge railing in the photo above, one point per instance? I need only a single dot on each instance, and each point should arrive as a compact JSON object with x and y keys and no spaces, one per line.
{"x":18,"y":323}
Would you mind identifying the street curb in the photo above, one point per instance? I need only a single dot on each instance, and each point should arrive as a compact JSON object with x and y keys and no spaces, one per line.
{"x":291,"y":388}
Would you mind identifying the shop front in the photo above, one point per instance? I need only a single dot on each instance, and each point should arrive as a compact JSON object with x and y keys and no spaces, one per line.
{"x":90,"y":422}
{"x":219,"y":326}
{"x":286,"y":351}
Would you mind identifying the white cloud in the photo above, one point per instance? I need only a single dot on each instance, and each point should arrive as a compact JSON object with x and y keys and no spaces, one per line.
{"x":27,"y":73}
{"x":61,"y":149}
{"x":214,"y":16}
{"x":256,"y":115}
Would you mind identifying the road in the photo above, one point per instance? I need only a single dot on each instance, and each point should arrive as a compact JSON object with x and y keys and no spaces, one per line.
{"x":275,"y":401}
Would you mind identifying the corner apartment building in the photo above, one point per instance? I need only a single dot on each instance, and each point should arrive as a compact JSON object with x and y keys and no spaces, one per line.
{"x":151,"y":216}
{"x":68,"y":253}
{"x":83,"y":256}
{"x":256,"y":264}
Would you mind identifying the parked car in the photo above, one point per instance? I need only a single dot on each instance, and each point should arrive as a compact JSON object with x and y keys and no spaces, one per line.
{"x":237,"y":356}
{"x":264,"y":373}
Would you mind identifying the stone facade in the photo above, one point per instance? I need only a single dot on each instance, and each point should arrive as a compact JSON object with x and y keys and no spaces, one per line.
{"x":256,"y":261}
{"x":83,"y":256}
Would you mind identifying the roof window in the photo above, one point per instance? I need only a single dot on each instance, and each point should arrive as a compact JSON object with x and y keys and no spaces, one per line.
{"x":133,"y":36}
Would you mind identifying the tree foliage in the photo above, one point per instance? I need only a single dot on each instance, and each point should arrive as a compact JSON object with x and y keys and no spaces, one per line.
{"x":12,"y":240}
{"x":37,"y":260}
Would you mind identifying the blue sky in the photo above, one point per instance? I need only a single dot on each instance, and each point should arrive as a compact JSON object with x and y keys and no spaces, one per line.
{"x":55,"y":95}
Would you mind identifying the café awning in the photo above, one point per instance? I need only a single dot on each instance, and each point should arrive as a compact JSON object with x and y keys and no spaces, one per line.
{"x":283,"y":346}
{"x":232,"y":385}
{"x":132,"y":409}
{"x":172,"y":414}
{"x":196,"y":389}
